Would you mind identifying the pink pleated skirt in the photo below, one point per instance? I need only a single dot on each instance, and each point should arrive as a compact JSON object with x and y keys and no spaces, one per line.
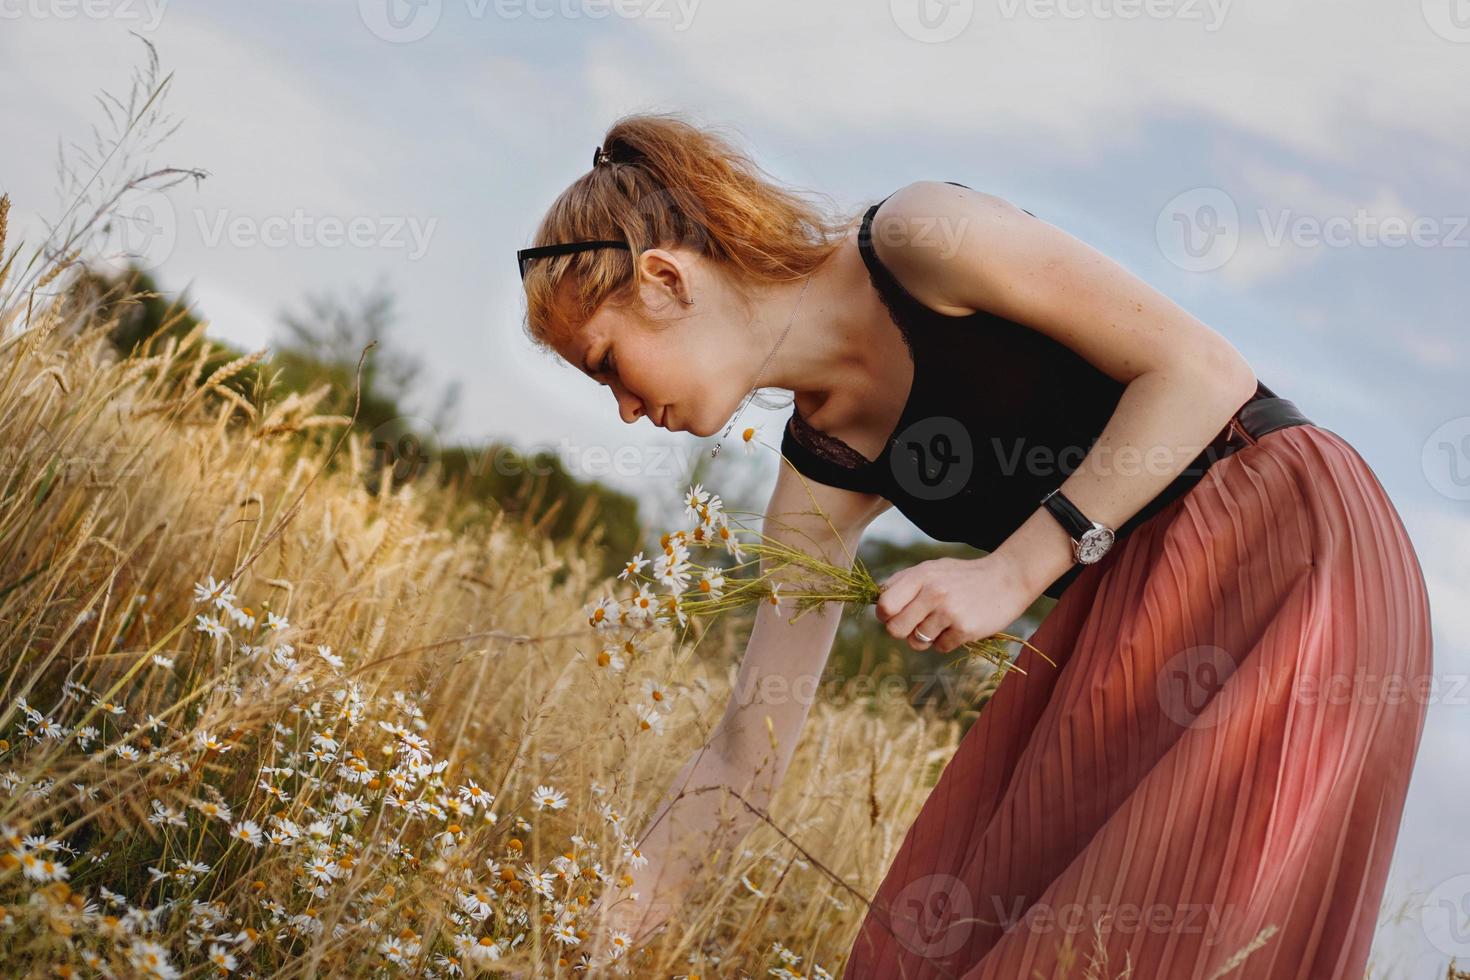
{"x":1224,"y":747}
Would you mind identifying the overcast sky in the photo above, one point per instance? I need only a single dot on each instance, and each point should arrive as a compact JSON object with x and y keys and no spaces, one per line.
{"x":1293,"y":173}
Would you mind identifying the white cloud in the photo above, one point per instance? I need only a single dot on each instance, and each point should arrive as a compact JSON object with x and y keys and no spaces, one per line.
{"x":1324,"y":77}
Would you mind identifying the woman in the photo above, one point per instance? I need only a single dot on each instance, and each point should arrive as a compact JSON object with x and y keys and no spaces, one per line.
{"x":1215,"y":753}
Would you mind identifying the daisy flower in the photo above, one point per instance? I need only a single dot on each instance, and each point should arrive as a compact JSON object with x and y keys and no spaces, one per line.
{"x":476,"y":903}
{"x":712,"y":512}
{"x":694,"y":498}
{"x":108,"y":707}
{"x":247,"y":831}
{"x":672,"y":569}
{"x":152,"y":960}
{"x":727,"y":536}
{"x":217,"y":810}
{"x":40,"y":868}
{"x":620,"y":943}
{"x":650,"y":719}
{"x":657,"y":693}
{"x":633,"y":566}
{"x":635,"y":857}
{"x":546,"y":796}
{"x":672,"y":608}
{"x":711,"y":582}
{"x":209,"y":743}
{"x":471,"y":793}
{"x":218,"y":594}
{"x":210,"y":625}
{"x":601,"y":615}
{"x":485,"y":950}
{"x":285,"y":833}
{"x":775,"y":597}
{"x":641,"y":605}
{"x":748,"y":438}
{"x":222,"y":958}
{"x":323,"y":868}
{"x":609,"y":657}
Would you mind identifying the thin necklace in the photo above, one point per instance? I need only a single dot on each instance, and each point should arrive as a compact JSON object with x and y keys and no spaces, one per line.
{"x":789,"y":321}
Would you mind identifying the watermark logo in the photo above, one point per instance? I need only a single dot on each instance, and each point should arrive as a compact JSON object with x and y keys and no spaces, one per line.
{"x":1445,"y":458}
{"x":407,"y":444}
{"x":143,"y":229}
{"x":933,"y":458}
{"x":1445,"y":916}
{"x":1189,"y":682}
{"x":400,"y":21}
{"x":933,"y":915}
{"x":932,"y":21}
{"x":1199,"y":230}
{"x":1450,"y":19}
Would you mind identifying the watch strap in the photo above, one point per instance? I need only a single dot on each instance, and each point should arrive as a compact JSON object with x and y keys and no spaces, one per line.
{"x":1067,"y":513}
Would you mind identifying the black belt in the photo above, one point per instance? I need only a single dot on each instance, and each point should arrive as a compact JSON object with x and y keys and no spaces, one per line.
{"x":1263,"y":412}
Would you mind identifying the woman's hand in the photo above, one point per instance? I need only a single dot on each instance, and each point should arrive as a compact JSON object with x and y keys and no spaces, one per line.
{"x":952,"y":601}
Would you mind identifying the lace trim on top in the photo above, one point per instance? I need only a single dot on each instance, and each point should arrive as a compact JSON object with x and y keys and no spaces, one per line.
{"x":828,"y":447}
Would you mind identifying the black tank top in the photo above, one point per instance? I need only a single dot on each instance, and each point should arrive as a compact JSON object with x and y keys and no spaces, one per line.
{"x":998,"y":415}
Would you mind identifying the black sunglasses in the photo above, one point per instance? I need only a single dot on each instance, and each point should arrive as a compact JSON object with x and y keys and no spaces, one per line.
{"x":541,"y":251}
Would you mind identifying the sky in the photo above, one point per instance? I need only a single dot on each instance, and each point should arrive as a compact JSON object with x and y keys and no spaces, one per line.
{"x":1292,"y":173}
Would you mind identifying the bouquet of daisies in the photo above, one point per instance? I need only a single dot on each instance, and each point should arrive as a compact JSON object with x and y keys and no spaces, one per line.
{"x":683,"y":581}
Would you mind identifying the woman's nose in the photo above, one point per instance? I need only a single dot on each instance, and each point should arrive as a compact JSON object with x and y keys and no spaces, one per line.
{"x":629,"y":407}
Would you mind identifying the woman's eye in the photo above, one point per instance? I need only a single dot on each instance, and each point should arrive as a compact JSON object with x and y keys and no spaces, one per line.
{"x":605,"y":367}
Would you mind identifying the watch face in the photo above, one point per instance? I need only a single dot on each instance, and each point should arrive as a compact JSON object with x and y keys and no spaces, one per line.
{"x":1094,"y":544}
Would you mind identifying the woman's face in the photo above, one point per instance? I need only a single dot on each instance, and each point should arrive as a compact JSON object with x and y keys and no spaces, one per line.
{"x":686,"y":370}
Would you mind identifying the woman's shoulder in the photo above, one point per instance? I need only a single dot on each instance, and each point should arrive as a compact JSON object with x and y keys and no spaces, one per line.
{"x":924,"y":234}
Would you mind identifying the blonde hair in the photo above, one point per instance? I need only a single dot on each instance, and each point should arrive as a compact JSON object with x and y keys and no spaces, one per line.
{"x":667,"y":183}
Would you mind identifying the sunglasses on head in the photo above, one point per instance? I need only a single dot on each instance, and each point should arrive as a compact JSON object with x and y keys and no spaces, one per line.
{"x":541,"y":251}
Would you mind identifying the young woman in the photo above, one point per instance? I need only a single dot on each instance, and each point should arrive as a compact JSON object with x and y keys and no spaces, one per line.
{"x":1217,"y":751}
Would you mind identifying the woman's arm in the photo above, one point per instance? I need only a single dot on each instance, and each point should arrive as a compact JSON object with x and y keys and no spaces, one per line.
{"x":697,"y":824}
{"x":1183,"y":381}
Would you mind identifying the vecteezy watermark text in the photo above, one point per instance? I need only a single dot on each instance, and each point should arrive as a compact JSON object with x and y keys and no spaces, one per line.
{"x":406,"y":21}
{"x":1201,"y":229}
{"x":302,"y":229}
{"x":147,"y":14}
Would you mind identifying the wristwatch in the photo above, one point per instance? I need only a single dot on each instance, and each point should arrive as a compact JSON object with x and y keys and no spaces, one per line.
{"x":1090,"y":540}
